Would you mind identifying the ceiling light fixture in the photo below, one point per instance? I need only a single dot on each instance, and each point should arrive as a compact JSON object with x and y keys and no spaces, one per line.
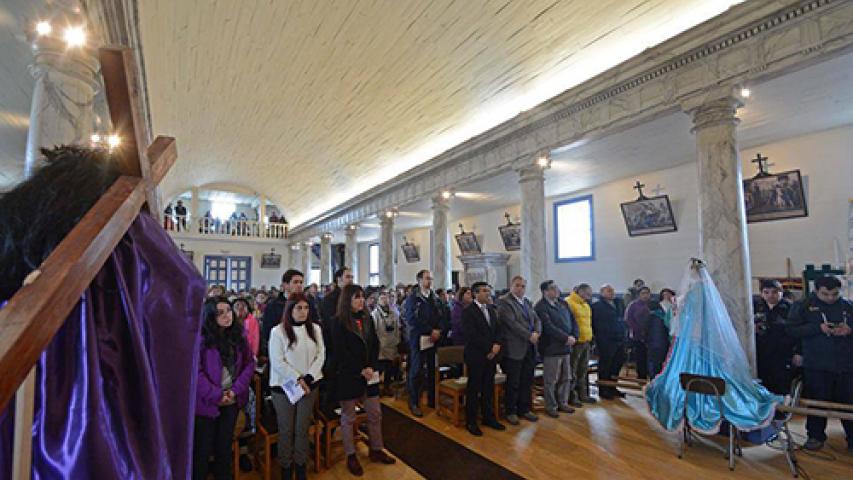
{"x":43,"y":28}
{"x":74,"y":36}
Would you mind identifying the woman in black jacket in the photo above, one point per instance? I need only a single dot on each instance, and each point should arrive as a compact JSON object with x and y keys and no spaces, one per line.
{"x":356,"y":357}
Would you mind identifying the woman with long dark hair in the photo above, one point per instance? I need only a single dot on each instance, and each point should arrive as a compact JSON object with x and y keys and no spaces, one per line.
{"x":224,"y":376}
{"x":356,"y":360}
{"x":296,"y":354}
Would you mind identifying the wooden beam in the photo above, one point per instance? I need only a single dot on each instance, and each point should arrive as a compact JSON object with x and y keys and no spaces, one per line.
{"x":37,"y":311}
{"x":162,"y":154}
{"x":118,"y":68}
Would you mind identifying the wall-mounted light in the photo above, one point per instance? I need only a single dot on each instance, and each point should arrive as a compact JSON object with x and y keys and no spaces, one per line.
{"x":448,"y":194}
{"x":74,"y":36}
{"x":352,"y":228}
{"x":745,"y":92}
{"x":294,"y":247}
{"x":544,"y":161}
{"x":327,"y":236}
{"x":108,"y":142}
{"x":43,"y":28}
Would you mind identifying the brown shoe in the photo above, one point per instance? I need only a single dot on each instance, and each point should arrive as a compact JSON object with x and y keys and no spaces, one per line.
{"x":353,"y":466}
{"x":379,"y":456}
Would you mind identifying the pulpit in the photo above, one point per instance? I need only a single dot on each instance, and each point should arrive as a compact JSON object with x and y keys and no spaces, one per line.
{"x":485,"y":267}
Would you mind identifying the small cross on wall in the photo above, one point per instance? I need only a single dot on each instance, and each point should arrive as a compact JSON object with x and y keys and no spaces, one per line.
{"x":762,"y":164}
{"x":639,"y":188}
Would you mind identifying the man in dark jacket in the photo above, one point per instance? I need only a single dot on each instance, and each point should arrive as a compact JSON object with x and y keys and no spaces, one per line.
{"x":480,"y":322}
{"x":181,"y":214}
{"x":774,"y":348}
{"x":822,"y":323}
{"x":291,"y":282}
{"x":609,"y":332}
{"x":329,"y":305}
{"x":423,"y":316}
{"x":559,"y":332}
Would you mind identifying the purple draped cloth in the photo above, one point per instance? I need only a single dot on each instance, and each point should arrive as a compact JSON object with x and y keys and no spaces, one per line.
{"x":115,"y":388}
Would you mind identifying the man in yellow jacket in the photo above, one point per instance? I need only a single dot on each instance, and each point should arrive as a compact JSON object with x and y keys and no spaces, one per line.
{"x":579,"y":303}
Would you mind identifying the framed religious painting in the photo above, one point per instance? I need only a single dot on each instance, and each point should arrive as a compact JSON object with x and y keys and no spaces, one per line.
{"x":774,"y":196}
{"x":510,"y":234}
{"x":648,"y":216}
{"x":271,"y":260}
{"x":468,"y":244}
{"x":410,"y":250}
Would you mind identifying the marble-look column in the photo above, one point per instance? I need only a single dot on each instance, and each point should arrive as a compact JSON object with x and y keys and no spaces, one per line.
{"x":386,"y":250}
{"x":326,"y":258}
{"x":295,"y":259}
{"x":532,"y":182}
{"x":195,"y":215}
{"x":262,"y":209}
{"x":722,"y":215}
{"x":351,"y":249}
{"x":850,"y":249}
{"x":440,"y":259}
{"x":62,"y":109}
{"x":306,"y":261}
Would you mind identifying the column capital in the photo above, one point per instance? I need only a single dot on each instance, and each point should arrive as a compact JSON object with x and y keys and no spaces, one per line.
{"x":532,"y":168}
{"x":716,"y":106}
{"x":440,"y":202}
{"x":386,"y":219}
{"x":326,"y":238}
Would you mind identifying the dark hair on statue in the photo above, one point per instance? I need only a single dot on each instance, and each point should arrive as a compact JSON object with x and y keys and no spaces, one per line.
{"x":227,"y":341}
{"x":40,"y":211}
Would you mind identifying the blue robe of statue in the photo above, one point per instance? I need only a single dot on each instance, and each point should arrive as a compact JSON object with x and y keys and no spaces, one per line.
{"x":706,"y":344}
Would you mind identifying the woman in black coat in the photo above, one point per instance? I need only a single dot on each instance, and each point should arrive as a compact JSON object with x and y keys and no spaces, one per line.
{"x":356,"y":357}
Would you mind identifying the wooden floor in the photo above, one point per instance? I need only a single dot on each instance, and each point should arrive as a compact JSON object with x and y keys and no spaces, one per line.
{"x":612,"y":440}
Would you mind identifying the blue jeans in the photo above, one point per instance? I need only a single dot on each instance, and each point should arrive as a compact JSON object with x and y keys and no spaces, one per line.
{"x":418,"y":360}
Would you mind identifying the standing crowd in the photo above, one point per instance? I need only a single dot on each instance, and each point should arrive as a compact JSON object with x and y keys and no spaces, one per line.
{"x":348,"y":346}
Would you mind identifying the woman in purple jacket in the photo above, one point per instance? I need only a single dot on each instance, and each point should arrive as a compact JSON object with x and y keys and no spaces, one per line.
{"x":224,"y":377}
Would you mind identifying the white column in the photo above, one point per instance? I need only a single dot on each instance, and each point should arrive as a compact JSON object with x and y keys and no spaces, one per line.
{"x":440,"y":261}
{"x":386,"y":250}
{"x":62,"y":109}
{"x":326,"y":258}
{"x":195,"y":215}
{"x":351,"y":249}
{"x":262,"y":213}
{"x":295,"y":259}
{"x":306,"y":260}
{"x":722,"y":216}
{"x":532,"y":182}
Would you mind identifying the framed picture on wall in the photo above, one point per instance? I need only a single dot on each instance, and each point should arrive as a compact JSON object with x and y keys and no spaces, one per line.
{"x":468,"y":244}
{"x":410,"y":250}
{"x":271,"y":260}
{"x":511,"y":236}
{"x":774,"y":196}
{"x":648,"y":216}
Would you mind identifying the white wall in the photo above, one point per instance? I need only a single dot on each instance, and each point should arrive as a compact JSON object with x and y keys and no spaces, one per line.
{"x":822,"y":157}
{"x":268,"y":277}
{"x":406,"y":272}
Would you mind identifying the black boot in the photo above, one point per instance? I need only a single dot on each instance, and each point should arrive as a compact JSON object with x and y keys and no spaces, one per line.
{"x":287,"y":473}
{"x":301,"y":473}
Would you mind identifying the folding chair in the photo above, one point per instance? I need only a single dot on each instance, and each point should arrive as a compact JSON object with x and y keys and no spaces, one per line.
{"x":705,"y":385}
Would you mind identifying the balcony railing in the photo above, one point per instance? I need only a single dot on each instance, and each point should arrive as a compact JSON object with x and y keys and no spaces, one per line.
{"x":226,"y":228}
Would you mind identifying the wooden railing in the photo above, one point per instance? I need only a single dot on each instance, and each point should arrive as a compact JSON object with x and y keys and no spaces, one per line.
{"x":206,"y":226}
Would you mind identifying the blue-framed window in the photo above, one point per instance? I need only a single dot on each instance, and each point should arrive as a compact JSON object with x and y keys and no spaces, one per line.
{"x":233,"y":272}
{"x":574,"y":231}
{"x":373,"y":264}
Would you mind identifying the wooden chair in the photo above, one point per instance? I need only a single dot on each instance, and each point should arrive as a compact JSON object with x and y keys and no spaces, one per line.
{"x":500,"y":383}
{"x":267,"y":432}
{"x":450,"y":391}
{"x":715,"y":386}
{"x":239,"y":426}
{"x":327,"y":420}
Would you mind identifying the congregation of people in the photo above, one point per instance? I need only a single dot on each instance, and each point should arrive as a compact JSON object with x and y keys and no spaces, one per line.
{"x":342,"y":347}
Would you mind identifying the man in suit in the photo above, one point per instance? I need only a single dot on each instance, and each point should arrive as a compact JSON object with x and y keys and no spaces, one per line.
{"x":480,"y":324}
{"x":521,"y":329}
{"x":559,"y":332}
{"x":329,"y":305}
{"x":424,"y":318}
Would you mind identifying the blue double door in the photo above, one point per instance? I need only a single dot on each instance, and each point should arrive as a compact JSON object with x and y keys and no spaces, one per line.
{"x":233,"y":272}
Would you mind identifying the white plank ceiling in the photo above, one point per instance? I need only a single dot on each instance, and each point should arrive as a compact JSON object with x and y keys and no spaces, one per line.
{"x":312,"y":102}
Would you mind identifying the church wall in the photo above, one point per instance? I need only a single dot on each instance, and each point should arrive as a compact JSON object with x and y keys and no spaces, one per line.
{"x":268,"y":277}
{"x":822,"y":157}
{"x":406,"y":272}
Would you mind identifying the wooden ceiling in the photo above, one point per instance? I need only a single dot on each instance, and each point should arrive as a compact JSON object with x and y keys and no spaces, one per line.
{"x":313,"y":102}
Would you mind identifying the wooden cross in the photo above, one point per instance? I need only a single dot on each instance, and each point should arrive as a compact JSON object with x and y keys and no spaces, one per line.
{"x":762,"y":165}
{"x":639,"y":188}
{"x":37,"y":311}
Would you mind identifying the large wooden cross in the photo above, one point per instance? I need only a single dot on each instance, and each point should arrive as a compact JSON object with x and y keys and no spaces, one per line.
{"x":37,"y":311}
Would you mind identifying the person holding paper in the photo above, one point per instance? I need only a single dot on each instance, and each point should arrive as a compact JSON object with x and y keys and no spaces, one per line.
{"x":297,"y":353}
{"x":424,"y":317}
{"x":356,"y":362}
